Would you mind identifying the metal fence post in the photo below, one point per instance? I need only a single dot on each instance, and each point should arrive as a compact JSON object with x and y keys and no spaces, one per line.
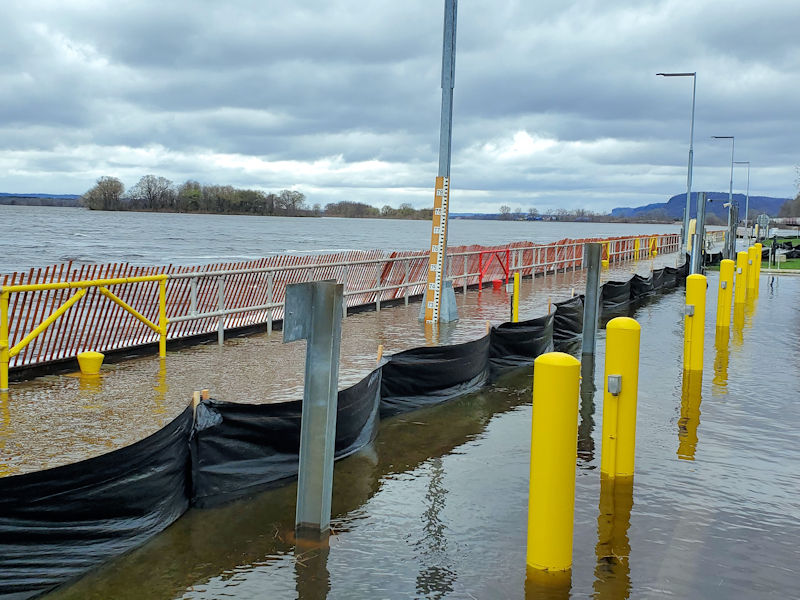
{"x":406,"y":282}
{"x":221,"y":307}
{"x":466,"y":279}
{"x":378,"y":292}
{"x":270,"y":300}
{"x":313,"y":312}
{"x":344,"y":292}
{"x":591,"y":302}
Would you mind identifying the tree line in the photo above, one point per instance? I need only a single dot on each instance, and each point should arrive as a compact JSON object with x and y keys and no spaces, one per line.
{"x":159,"y":194}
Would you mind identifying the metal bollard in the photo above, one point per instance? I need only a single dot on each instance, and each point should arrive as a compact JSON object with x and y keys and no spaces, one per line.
{"x":694,"y":322}
{"x":554,"y":429}
{"x":740,"y":290}
{"x":515,"y":300}
{"x":758,"y":248}
{"x":620,"y":392}
{"x":751,"y":270}
{"x":725,"y":293}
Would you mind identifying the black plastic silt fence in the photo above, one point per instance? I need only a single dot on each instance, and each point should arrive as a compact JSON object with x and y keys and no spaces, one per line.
{"x":57,"y":524}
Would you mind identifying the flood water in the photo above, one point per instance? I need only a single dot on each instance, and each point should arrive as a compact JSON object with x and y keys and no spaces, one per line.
{"x":37,"y":236}
{"x":437,"y":506}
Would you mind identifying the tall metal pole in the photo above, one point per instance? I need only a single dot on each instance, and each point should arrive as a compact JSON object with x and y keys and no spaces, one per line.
{"x":591,"y":300}
{"x":730,"y":243}
{"x":687,"y":208}
{"x":700,"y":240}
{"x":437,"y":271}
{"x":747,"y":200}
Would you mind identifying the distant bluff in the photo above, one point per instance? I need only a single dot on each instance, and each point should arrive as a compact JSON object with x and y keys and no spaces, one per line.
{"x":675,"y":205}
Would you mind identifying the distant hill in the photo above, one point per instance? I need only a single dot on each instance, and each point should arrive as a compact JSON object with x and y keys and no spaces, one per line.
{"x":675,"y":205}
{"x":39,"y":199}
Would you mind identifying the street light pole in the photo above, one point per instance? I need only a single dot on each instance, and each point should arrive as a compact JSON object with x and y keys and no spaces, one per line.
{"x":747,"y":199}
{"x":730,"y":246}
{"x":687,"y":208}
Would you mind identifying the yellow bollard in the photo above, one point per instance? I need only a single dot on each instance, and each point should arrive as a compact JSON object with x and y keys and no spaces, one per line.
{"x":694,"y":323}
{"x":515,"y":300}
{"x":653,"y":247}
{"x":380,"y":354}
{"x":637,"y":248}
{"x":759,"y":249}
{"x":751,"y":270}
{"x":554,"y":429}
{"x":162,"y":318}
{"x":90,"y":362}
{"x":4,"y":357}
{"x":620,"y":392}
{"x":725,"y":293}
{"x":740,"y":290}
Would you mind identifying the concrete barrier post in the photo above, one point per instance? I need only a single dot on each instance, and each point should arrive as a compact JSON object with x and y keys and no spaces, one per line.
{"x":694,"y":322}
{"x":620,"y":393}
{"x":554,"y":430}
{"x":725,"y":293}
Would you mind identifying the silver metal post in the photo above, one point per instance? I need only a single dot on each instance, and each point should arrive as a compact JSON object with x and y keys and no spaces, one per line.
{"x":466,"y":279}
{"x":313,"y":312}
{"x":591,"y":302}
{"x":378,"y":292}
{"x":270,"y":293}
{"x":698,"y":246}
{"x":344,"y":288}
{"x":747,"y":200}
{"x":221,"y":307}
{"x":193,"y":296}
{"x":405,"y":289}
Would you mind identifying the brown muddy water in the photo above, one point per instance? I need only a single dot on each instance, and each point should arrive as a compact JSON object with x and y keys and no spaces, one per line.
{"x":54,"y":420}
{"x":436,"y":507}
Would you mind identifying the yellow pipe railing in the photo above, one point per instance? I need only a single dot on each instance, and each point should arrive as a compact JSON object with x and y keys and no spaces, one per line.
{"x":7,"y":352}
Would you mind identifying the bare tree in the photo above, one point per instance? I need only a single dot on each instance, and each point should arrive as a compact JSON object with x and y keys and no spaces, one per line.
{"x":505,"y":212}
{"x":153,"y":192}
{"x":105,"y":195}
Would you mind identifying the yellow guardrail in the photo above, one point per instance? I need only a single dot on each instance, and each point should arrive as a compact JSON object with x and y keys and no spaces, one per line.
{"x":7,"y":353}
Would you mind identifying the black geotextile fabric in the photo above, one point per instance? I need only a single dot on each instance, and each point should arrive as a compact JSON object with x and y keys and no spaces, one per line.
{"x":57,"y":524}
{"x":239,"y":448}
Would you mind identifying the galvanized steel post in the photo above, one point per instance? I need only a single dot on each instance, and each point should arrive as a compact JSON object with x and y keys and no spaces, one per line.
{"x":313,"y":312}
{"x":725,"y":293}
{"x":694,"y":322}
{"x":221,"y":308}
{"x":620,"y":393}
{"x":554,"y":429}
{"x":591,"y":300}
{"x":698,"y":247}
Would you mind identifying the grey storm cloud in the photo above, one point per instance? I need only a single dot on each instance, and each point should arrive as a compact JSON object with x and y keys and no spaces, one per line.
{"x":556,"y":103}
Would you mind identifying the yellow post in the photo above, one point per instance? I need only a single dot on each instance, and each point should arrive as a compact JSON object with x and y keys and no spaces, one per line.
{"x":759,"y":249}
{"x":554,"y":429}
{"x":740,"y":290}
{"x":620,"y":392}
{"x":4,"y":357}
{"x":751,"y":270}
{"x":515,"y":300}
{"x":694,"y":322}
{"x":692,"y":230}
{"x":604,"y":262}
{"x":380,"y":353}
{"x":653,"y":246}
{"x":725,"y":293}
{"x":162,"y":318}
{"x":637,"y":248}
{"x":90,"y":362}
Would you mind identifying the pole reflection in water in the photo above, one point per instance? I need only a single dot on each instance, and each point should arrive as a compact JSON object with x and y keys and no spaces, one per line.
{"x":613,"y":571}
{"x":5,"y":431}
{"x":161,"y":389}
{"x":91,"y":384}
{"x":720,"y":381}
{"x":547,"y":585}
{"x":313,"y":580}
{"x":436,"y":578}
{"x":691,"y":394}
{"x":586,"y":424}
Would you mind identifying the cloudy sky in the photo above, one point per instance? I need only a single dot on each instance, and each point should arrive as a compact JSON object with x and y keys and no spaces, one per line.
{"x":556,"y":102}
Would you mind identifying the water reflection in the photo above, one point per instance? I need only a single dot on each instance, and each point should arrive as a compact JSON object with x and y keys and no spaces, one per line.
{"x":548,"y":585}
{"x":613,"y":572}
{"x":691,"y":395}
{"x":90,"y":384}
{"x":720,"y":381}
{"x":436,"y":576}
{"x":161,"y":389}
{"x":6,"y":467}
{"x":313,"y":580}
{"x":738,"y":324}
{"x":586,"y":424}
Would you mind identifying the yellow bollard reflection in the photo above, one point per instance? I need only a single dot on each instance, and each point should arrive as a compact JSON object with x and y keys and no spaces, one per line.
{"x":91,"y":384}
{"x":738,"y":324}
{"x":612,"y":572}
{"x":690,"y":414}
{"x":547,"y":585}
{"x":720,"y":381}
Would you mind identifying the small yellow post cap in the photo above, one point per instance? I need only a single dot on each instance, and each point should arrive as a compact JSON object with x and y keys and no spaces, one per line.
{"x":623,"y":323}
{"x":557,"y":359}
{"x":90,"y":362}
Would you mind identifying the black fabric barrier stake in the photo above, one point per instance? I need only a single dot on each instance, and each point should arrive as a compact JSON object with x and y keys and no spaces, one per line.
{"x":58,"y":523}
